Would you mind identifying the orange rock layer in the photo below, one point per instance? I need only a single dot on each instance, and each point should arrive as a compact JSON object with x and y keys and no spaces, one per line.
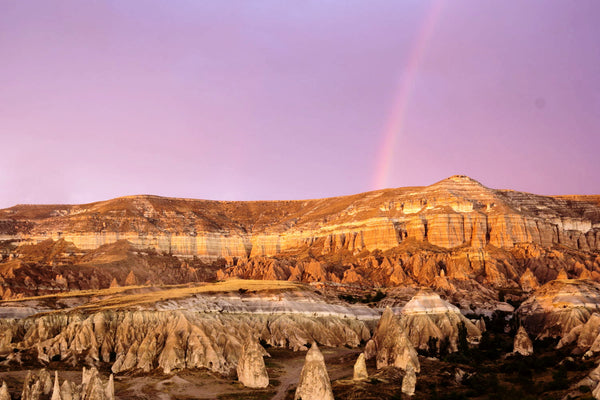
{"x":457,"y":211}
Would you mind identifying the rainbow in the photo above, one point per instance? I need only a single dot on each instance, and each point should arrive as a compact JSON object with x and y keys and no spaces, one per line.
{"x":395,"y":121}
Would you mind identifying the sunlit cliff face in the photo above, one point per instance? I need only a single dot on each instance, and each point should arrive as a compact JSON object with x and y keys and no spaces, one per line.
{"x":455,"y":212}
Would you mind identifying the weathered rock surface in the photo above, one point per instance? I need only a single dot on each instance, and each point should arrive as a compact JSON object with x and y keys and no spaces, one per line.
{"x":393,"y":347}
{"x":560,"y":306}
{"x":314,"y":383}
{"x":596,"y":392}
{"x":522,"y":343}
{"x":409,"y":382}
{"x":453,"y":212}
{"x":170,"y":340}
{"x":57,"y":266}
{"x":251,"y":368}
{"x":528,"y":281}
{"x":426,"y":316}
{"x":480,"y":324}
{"x":4,"y":394}
{"x":360,"y":368}
{"x":40,"y":386}
{"x":592,"y":381}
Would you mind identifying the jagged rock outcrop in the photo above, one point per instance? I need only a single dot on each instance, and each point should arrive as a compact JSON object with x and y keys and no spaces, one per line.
{"x":528,"y":281}
{"x":393,"y":347}
{"x":559,"y":307}
{"x":586,"y":336}
{"x":92,"y":387}
{"x":522,"y":344}
{"x":360,"y":368}
{"x":36,"y":386}
{"x":480,"y":324}
{"x":172,"y":340}
{"x":426,"y":316}
{"x":409,"y":382}
{"x":4,"y":394}
{"x":251,"y":368}
{"x":314,"y":381}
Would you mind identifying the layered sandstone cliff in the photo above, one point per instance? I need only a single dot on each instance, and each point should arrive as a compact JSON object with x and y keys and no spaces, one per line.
{"x":457,"y":211}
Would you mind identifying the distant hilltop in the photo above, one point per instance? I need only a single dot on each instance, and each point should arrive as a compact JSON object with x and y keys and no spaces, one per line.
{"x":457,"y":211}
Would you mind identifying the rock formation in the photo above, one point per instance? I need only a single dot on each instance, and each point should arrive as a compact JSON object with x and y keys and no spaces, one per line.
{"x":314,"y":381}
{"x":92,"y":387}
{"x":592,"y":381}
{"x":251,"y":368}
{"x":36,"y":386}
{"x":172,"y":339}
{"x":56,"y":394}
{"x":562,"y":274}
{"x":426,"y":315}
{"x":131,"y":280}
{"x":596,"y":392}
{"x":480,"y":324}
{"x":453,"y":212}
{"x":522,"y":344}
{"x":585,"y":335}
{"x":560,"y":306}
{"x":360,"y":368}
{"x":450,"y":235}
{"x":409,"y":382}
{"x":528,"y":281}
{"x":393,"y":347}
{"x":4,"y":394}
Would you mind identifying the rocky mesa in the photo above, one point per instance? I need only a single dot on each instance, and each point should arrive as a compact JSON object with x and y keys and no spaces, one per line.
{"x":457,"y":211}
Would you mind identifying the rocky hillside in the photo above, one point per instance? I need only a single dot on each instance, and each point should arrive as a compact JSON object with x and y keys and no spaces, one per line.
{"x":457,"y":211}
{"x":456,"y":236}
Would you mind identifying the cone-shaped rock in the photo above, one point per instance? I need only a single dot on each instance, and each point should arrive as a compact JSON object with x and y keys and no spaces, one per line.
{"x":131,"y":279}
{"x":523,"y":344}
{"x":528,"y":281}
{"x":409,"y":382}
{"x":314,"y":381}
{"x":4,"y":394}
{"x":393,"y":346}
{"x":360,"y":368}
{"x":562,"y":274}
{"x":66,"y":391}
{"x":45,"y":381}
{"x":251,"y":368}
{"x":110,"y":388}
{"x":585,"y":274}
{"x":56,"y":395}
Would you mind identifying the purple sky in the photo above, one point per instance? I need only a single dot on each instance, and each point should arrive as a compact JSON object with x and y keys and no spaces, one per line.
{"x":279,"y":99}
